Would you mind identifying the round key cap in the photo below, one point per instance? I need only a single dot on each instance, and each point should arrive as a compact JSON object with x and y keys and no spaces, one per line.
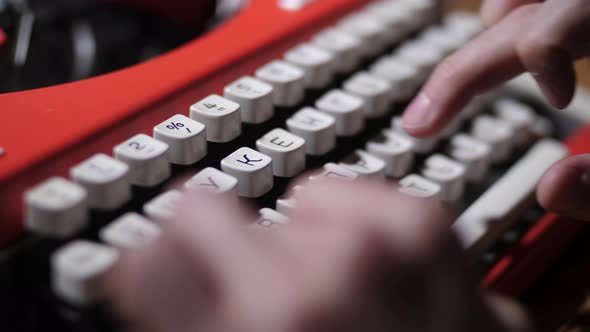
{"x":252,"y":169}
{"x":497,"y":133}
{"x":318,"y":64}
{"x":345,"y":47}
{"x":347,"y":110}
{"x":129,"y":231}
{"x":449,"y":174}
{"x":56,"y":208}
{"x":375,"y":92}
{"x":186,"y":139}
{"x":105,"y":181}
{"x":421,"y":145}
{"x":395,"y":150}
{"x":473,"y":153}
{"x":417,"y":186}
{"x":221,"y":117}
{"x":286,"y":150}
{"x":403,"y":78}
{"x":365,"y":165}
{"x":270,"y":218}
{"x":520,"y":116}
{"x":164,"y":206}
{"x":213,"y":180}
{"x":255,"y":98}
{"x":76,"y":269}
{"x":316,"y":128}
{"x":146,"y":158}
{"x":288,"y":82}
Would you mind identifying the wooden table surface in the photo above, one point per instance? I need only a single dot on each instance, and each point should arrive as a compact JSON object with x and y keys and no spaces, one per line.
{"x":560,"y":300}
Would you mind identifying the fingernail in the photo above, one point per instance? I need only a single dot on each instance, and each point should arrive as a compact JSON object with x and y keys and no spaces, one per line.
{"x":420,"y":113}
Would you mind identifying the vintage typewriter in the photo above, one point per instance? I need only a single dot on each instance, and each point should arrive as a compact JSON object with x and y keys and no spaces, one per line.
{"x":241,"y":103}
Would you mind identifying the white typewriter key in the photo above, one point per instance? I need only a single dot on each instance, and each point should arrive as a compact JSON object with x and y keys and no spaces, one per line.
{"x":269,"y":218}
{"x":346,"y":48}
{"x":56,"y":208}
{"x":286,"y":150}
{"x":403,"y":78}
{"x":220,"y":116}
{"x":448,"y":173}
{"x":316,"y":128}
{"x":473,"y":153}
{"x":347,"y":110}
{"x":186,"y":139}
{"x":164,"y":206}
{"x":288,"y":202}
{"x":520,"y":116}
{"x":440,"y":37}
{"x":452,"y":127}
{"x":255,"y":97}
{"x":287,"y":80}
{"x":214,"y":180}
{"x":375,"y":92}
{"x":417,"y":186}
{"x":105,"y":181}
{"x":252,"y":169}
{"x":334,"y":171}
{"x":373,"y":33}
{"x":76,"y":268}
{"x":464,"y":24}
{"x":542,"y":127}
{"x":421,"y":145}
{"x":129,"y":231}
{"x":421,"y":56}
{"x":146,"y":157}
{"x":318,"y":64}
{"x":395,"y":150}
{"x":399,"y":24}
{"x":364,"y":164}
{"x":496,"y":132}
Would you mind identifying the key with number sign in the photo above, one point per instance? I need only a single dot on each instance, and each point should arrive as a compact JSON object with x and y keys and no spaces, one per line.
{"x":186,"y":139}
{"x":146,"y":157}
{"x":220,"y":116}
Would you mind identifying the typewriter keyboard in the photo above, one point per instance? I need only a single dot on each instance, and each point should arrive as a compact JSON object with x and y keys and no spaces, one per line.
{"x":332,"y":104}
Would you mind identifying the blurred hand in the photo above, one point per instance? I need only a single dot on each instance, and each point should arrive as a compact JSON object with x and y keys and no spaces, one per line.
{"x":541,"y":37}
{"x":353,"y":258}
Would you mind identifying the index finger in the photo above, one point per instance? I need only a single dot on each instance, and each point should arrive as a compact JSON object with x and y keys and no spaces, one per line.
{"x":484,"y":63}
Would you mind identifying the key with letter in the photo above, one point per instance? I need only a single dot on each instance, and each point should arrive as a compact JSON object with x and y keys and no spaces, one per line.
{"x":316,"y":128}
{"x":286,"y":150}
{"x":214,"y":180}
{"x":252,"y":169}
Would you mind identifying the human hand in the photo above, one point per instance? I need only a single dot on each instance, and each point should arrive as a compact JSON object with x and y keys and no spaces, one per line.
{"x":351,"y":259}
{"x":541,"y":37}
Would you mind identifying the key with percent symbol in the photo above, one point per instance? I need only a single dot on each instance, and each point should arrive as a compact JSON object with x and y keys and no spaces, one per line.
{"x":186,"y":138}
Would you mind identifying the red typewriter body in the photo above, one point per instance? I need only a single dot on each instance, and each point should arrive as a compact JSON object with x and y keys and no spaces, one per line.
{"x":44,"y":132}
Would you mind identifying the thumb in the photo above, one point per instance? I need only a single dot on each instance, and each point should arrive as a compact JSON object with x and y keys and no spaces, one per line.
{"x":565,"y":188}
